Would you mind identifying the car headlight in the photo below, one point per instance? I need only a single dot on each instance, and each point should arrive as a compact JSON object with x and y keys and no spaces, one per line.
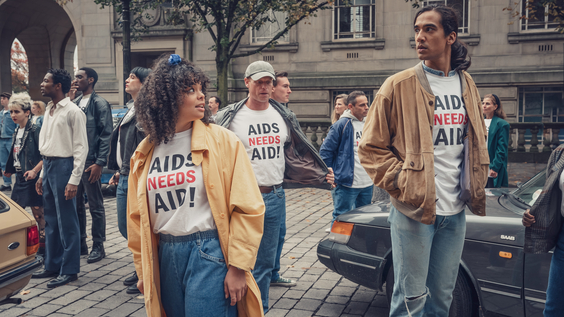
{"x":341,"y":232}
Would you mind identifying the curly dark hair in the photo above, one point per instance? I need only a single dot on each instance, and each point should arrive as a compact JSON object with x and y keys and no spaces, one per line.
{"x":159,"y":98}
{"x":61,"y":76}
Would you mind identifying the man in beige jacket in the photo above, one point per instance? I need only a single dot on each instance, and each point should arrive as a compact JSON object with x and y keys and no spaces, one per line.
{"x":413,"y":146}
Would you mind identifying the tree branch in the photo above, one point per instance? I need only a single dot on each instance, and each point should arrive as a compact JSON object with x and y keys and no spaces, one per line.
{"x":207,"y":25}
{"x":276,"y":37}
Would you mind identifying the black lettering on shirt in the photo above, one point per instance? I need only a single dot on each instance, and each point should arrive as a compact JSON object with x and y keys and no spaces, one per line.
{"x":438,"y":103}
{"x":160,"y":204}
{"x":156,"y":166}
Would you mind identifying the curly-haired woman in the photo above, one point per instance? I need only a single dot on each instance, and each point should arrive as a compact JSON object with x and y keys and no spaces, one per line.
{"x":195,"y":211}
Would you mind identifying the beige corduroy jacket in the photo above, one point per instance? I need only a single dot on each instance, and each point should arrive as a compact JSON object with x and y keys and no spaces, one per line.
{"x":236,"y":204}
{"x":397,"y":149}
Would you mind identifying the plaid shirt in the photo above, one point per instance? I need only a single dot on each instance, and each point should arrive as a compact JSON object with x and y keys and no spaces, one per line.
{"x":543,"y":234}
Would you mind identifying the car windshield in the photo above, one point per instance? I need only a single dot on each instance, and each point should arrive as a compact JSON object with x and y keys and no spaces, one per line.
{"x":531,"y":190}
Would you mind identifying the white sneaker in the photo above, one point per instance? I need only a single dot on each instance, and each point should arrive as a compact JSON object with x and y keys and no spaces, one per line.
{"x":284,"y":282}
{"x":328,"y":230}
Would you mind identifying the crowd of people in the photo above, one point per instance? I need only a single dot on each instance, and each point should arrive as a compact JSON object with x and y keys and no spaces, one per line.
{"x":200,"y":187}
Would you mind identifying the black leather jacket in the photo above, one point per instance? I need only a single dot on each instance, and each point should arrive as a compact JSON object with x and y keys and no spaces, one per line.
{"x":99,"y":126}
{"x":29,"y":155}
{"x":130,"y":136}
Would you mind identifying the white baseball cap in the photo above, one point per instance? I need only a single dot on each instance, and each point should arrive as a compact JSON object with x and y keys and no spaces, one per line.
{"x":259,"y":69}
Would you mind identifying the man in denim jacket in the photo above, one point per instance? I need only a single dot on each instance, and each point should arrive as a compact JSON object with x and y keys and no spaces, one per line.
{"x":7,"y":127}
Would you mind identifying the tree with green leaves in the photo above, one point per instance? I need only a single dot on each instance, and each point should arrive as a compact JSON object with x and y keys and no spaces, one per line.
{"x":226,"y":21}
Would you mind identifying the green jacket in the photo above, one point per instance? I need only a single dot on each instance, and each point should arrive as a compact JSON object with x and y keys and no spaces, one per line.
{"x":498,"y":137}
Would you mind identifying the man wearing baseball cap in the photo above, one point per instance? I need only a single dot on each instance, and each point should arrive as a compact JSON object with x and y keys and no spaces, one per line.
{"x":280,"y":155}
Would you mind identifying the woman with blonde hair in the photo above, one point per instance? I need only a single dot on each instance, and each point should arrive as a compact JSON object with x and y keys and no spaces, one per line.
{"x":26,"y":162}
{"x":37,"y":110}
{"x":498,"y":136}
{"x":195,"y":210}
{"x":340,"y":107}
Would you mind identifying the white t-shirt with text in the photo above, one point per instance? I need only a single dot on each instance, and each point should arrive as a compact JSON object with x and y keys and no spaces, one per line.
{"x":450,"y":120}
{"x":18,"y":146}
{"x":361,"y":178}
{"x":178,"y":200}
{"x":263,"y":133}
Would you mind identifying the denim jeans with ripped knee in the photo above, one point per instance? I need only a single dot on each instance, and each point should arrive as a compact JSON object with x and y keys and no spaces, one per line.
{"x":426,"y":260}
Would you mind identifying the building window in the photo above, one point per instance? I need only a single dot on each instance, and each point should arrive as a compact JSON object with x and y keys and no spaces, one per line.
{"x":461,"y":7}
{"x":537,"y":16}
{"x":541,"y":104}
{"x":369,"y":95}
{"x":354,"y":19}
{"x":269,"y":29}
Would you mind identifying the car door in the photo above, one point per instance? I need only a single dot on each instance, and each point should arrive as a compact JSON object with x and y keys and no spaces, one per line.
{"x":493,"y":253}
{"x":535,"y":281}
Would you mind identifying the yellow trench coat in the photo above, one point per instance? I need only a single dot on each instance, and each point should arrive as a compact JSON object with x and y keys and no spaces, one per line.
{"x":236,"y":204}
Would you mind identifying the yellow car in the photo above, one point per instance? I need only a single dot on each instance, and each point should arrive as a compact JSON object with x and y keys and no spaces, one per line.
{"x":19,"y":242}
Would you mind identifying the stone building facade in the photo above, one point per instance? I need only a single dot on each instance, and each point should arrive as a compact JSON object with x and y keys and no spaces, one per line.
{"x":340,"y":50}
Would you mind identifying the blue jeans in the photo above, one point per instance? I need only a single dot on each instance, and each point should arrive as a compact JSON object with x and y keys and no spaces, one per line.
{"x":426,"y":260}
{"x":275,"y":203}
{"x":192,"y":271}
{"x":5,"y":148}
{"x":62,"y":233}
{"x":121,"y":202}
{"x":347,"y":198}
{"x":555,"y":291}
{"x":281,"y":238}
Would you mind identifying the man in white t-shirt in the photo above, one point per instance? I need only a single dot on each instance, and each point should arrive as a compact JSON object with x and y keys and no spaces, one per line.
{"x":340,"y":152}
{"x":270,"y":134}
{"x":413,"y":147}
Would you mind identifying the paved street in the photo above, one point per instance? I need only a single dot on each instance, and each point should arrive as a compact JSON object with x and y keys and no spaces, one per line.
{"x":320,"y":292}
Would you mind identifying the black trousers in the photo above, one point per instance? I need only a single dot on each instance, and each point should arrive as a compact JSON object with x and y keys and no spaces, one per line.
{"x":96,"y":206}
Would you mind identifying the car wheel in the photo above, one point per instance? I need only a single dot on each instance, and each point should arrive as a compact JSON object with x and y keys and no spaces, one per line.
{"x":462,"y":303}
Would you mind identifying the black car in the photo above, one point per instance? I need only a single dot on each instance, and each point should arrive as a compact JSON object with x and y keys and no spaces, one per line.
{"x":495,"y":276}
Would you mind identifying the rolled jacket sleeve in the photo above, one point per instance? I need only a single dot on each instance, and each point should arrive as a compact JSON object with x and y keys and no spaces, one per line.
{"x":77,"y":122}
{"x":247,"y":218}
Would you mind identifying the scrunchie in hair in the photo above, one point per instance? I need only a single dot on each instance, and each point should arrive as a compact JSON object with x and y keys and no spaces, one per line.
{"x":174,"y":59}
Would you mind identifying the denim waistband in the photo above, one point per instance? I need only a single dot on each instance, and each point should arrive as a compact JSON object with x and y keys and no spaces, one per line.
{"x":200,"y":235}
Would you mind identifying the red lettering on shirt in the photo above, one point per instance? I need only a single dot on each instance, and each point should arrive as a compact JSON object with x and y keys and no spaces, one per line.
{"x":162,"y":182}
{"x":179,"y":178}
{"x":170,"y":180}
{"x":190,"y":178}
{"x":152,"y":183}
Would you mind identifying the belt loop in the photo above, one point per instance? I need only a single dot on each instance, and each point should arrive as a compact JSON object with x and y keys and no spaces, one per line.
{"x":199,"y":238}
